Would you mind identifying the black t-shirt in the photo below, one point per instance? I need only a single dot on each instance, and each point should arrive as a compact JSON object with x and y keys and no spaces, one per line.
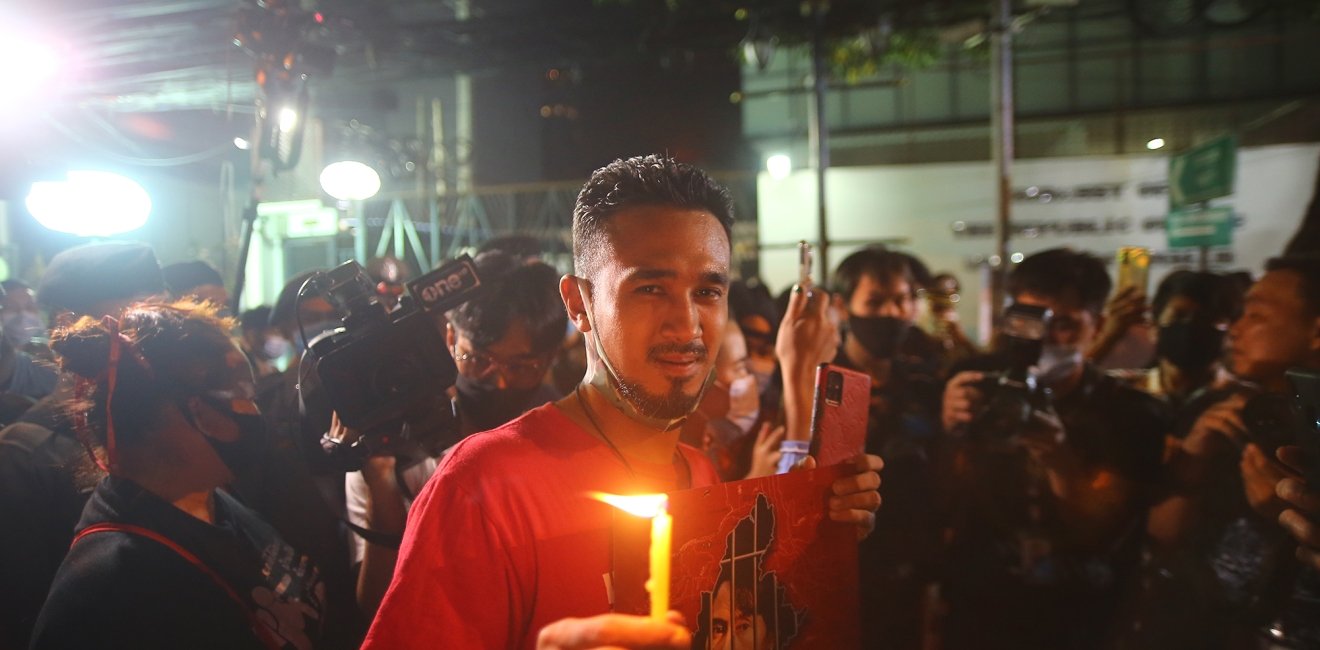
{"x":123,"y":590}
{"x":1014,"y":557}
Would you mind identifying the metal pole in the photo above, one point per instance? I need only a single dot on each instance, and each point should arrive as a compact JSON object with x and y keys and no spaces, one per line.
{"x":1001,"y":140}
{"x":244,"y":247}
{"x":818,"y":138}
{"x":259,"y":168}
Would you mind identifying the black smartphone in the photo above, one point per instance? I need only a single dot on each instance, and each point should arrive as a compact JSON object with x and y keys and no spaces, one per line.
{"x":1306,"y":403}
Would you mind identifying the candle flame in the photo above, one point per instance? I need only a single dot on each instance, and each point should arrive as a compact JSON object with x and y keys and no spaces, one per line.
{"x":641,"y":505}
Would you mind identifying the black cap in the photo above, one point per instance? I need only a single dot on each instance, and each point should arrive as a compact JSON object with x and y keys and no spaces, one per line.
{"x":183,"y":277}
{"x":79,"y":278}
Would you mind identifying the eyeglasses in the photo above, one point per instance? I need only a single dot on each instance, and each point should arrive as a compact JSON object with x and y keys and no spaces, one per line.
{"x":479,"y":363}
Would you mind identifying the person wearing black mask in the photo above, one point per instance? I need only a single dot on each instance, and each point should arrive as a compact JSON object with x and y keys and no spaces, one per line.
{"x":163,"y":557}
{"x":502,"y":340}
{"x":1192,"y":312}
{"x":878,"y":290}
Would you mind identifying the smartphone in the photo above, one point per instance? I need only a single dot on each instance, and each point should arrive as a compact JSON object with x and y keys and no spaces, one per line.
{"x":1133,"y":268}
{"x":838,"y":417}
{"x":1306,"y":403}
{"x":804,"y":265}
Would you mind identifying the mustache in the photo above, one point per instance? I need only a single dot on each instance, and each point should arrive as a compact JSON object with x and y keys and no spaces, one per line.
{"x":695,"y":348}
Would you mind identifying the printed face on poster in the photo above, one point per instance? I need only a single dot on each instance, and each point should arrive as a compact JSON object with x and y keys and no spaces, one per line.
{"x":757,"y":564}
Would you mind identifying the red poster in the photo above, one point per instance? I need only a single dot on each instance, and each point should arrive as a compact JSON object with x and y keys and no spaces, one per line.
{"x":757,"y":564}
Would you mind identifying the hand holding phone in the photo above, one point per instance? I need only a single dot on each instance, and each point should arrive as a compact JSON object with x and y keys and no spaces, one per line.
{"x":804,"y":266}
{"x":1133,"y":268}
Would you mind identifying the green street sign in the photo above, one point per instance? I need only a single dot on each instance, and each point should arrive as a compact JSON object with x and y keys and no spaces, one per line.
{"x":1202,"y":173}
{"x":1195,"y":227}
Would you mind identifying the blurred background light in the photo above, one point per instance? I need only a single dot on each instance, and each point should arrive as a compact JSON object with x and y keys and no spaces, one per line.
{"x":1155,"y":143}
{"x":288,"y":119}
{"x":779,"y":166}
{"x":89,"y":204}
{"x":350,"y":180}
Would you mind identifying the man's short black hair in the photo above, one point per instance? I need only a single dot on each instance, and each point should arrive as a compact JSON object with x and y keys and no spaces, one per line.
{"x":512,"y":291}
{"x":1217,"y":295}
{"x":1306,"y":266}
{"x":1063,"y":274}
{"x":282,"y":314}
{"x":880,"y":263}
{"x":254,"y":320}
{"x":523,"y":247}
{"x":637,"y":182}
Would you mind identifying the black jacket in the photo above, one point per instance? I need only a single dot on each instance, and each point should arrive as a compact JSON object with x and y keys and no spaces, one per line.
{"x":124,"y":590}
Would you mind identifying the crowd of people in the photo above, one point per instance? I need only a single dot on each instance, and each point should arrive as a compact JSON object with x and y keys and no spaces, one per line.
{"x":1117,"y":470}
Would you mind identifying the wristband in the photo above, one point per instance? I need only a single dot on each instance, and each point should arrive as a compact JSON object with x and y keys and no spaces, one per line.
{"x":791,"y":452}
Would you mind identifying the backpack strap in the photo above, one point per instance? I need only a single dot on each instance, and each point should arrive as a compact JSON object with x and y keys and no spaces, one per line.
{"x":263,"y":633}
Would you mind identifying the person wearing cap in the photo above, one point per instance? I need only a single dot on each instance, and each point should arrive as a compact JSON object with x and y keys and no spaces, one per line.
{"x":196,"y":279}
{"x":44,"y":479}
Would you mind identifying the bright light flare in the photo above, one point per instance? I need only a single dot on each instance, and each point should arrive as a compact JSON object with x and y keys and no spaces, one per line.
{"x":32,"y":70}
{"x":242,"y":143}
{"x":350,"y":180}
{"x":779,"y":166}
{"x":641,"y":505}
{"x":90,"y":204}
{"x":288,"y":119}
{"x":1155,"y":143}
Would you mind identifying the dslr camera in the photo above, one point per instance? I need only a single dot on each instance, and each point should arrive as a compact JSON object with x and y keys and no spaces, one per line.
{"x":1013,"y":394}
{"x":386,"y":373}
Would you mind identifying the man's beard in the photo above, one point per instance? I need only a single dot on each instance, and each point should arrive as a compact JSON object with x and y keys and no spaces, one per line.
{"x":670,"y":405}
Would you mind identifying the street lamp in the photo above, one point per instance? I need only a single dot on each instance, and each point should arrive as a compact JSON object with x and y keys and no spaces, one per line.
{"x":350,"y":180}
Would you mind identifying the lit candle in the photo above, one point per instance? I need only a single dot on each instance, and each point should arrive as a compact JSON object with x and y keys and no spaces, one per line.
{"x":656,"y":507}
{"x":662,"y":529}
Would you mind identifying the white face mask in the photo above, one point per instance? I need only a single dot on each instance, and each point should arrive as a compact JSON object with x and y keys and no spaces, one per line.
{"x":1057,"y":363}
{"x":275,"y":347}
{"x":744,"y":402}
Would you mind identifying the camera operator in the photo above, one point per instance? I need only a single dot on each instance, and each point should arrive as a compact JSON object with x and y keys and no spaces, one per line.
{"x":163,"y":558}
{"x":879,"y":289}
{"x":1049,"y":508}
{"x":1227,"y":564}
{"x":502,"y":341}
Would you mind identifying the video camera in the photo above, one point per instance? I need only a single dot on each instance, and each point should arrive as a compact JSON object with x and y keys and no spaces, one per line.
{"x":1013,"y":393}
{"x":386,"y":373}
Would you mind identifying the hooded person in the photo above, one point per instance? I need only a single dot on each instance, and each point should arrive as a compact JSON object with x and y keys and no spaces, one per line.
{"x":44,"y":477}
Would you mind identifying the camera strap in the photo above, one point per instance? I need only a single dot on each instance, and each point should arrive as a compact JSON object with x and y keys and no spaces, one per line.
{"x":388,"y":540}
{"x":263,"y":633}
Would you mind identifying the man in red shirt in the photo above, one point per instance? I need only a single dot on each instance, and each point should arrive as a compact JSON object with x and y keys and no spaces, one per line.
{"x":504,"y":540}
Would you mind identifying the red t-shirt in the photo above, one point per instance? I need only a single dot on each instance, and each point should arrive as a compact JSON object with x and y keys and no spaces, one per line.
{"x":504,"y":540}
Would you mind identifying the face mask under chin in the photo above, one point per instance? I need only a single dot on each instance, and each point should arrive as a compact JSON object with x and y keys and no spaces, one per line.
{"x":657,"y":412}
